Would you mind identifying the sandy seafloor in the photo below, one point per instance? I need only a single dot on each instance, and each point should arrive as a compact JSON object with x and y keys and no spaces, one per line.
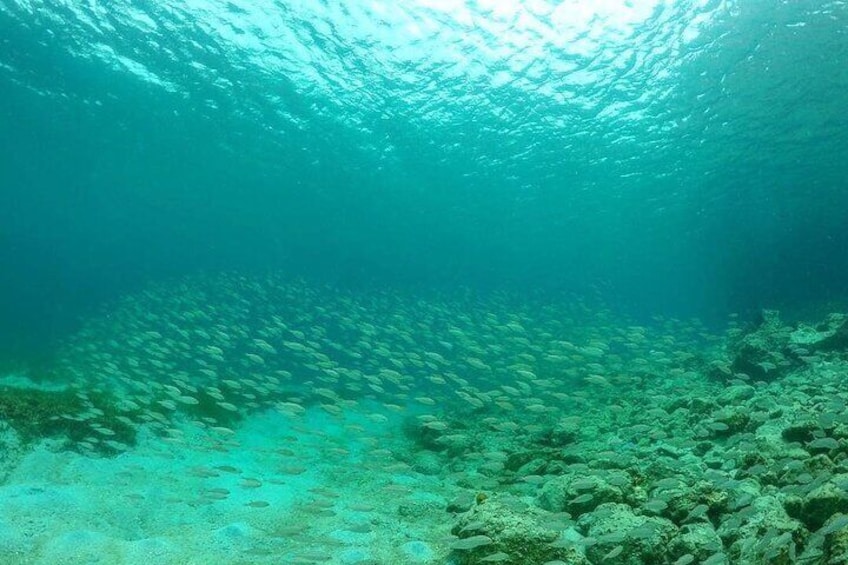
{"x":160,"y":503}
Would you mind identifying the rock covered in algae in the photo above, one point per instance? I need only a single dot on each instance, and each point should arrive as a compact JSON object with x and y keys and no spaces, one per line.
{"x":762,"y":353}
{"x":698,"y":540}
{"x":829,"y":335}
{"x":575,"y":493}
{"x":696,"y":503}
{"x":772,"y":349}
{"x":641,"y":539}
{"x":762,"y":533}
{"x":499,"y":531}
{"x":824,"y":501}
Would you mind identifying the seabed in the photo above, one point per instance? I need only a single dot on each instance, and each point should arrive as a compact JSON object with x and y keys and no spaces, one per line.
{"x":258,"y":420}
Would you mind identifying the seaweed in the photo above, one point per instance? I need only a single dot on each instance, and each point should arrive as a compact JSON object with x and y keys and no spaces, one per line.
{"x":37,"y":414}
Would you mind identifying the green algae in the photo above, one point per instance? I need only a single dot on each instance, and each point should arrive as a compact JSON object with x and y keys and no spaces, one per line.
{"x":38,"y":414}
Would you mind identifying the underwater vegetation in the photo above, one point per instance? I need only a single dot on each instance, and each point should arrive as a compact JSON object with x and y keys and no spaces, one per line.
{"x":84,"y":420}
{"x":562,"y":432}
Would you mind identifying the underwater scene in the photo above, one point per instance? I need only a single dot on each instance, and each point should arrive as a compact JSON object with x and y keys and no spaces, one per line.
{"x":423,"y":282}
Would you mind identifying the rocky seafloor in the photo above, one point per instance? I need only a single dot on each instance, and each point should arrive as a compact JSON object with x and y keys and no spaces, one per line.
{"x":244,"y":421}
{"x":746,"y":466}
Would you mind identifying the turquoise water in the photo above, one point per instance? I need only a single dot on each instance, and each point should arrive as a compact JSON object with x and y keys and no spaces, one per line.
{"x":424,"y":281}
{"x":682,"y":157}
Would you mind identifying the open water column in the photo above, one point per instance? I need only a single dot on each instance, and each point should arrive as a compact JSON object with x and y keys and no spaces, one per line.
{"x":436,"y":282}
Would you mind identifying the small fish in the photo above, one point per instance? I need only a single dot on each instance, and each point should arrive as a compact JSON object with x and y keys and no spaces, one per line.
{"x":227,"y":469}
{"x":202,"y":472}
{"x":613,"y":553}
{"x":292,"y":470}
{"x":216,"y":494}
{"x":473,"y":542}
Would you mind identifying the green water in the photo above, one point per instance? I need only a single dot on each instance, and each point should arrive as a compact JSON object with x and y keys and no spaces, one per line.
{"x":443,"y":282}
{"x":683,"y":158}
